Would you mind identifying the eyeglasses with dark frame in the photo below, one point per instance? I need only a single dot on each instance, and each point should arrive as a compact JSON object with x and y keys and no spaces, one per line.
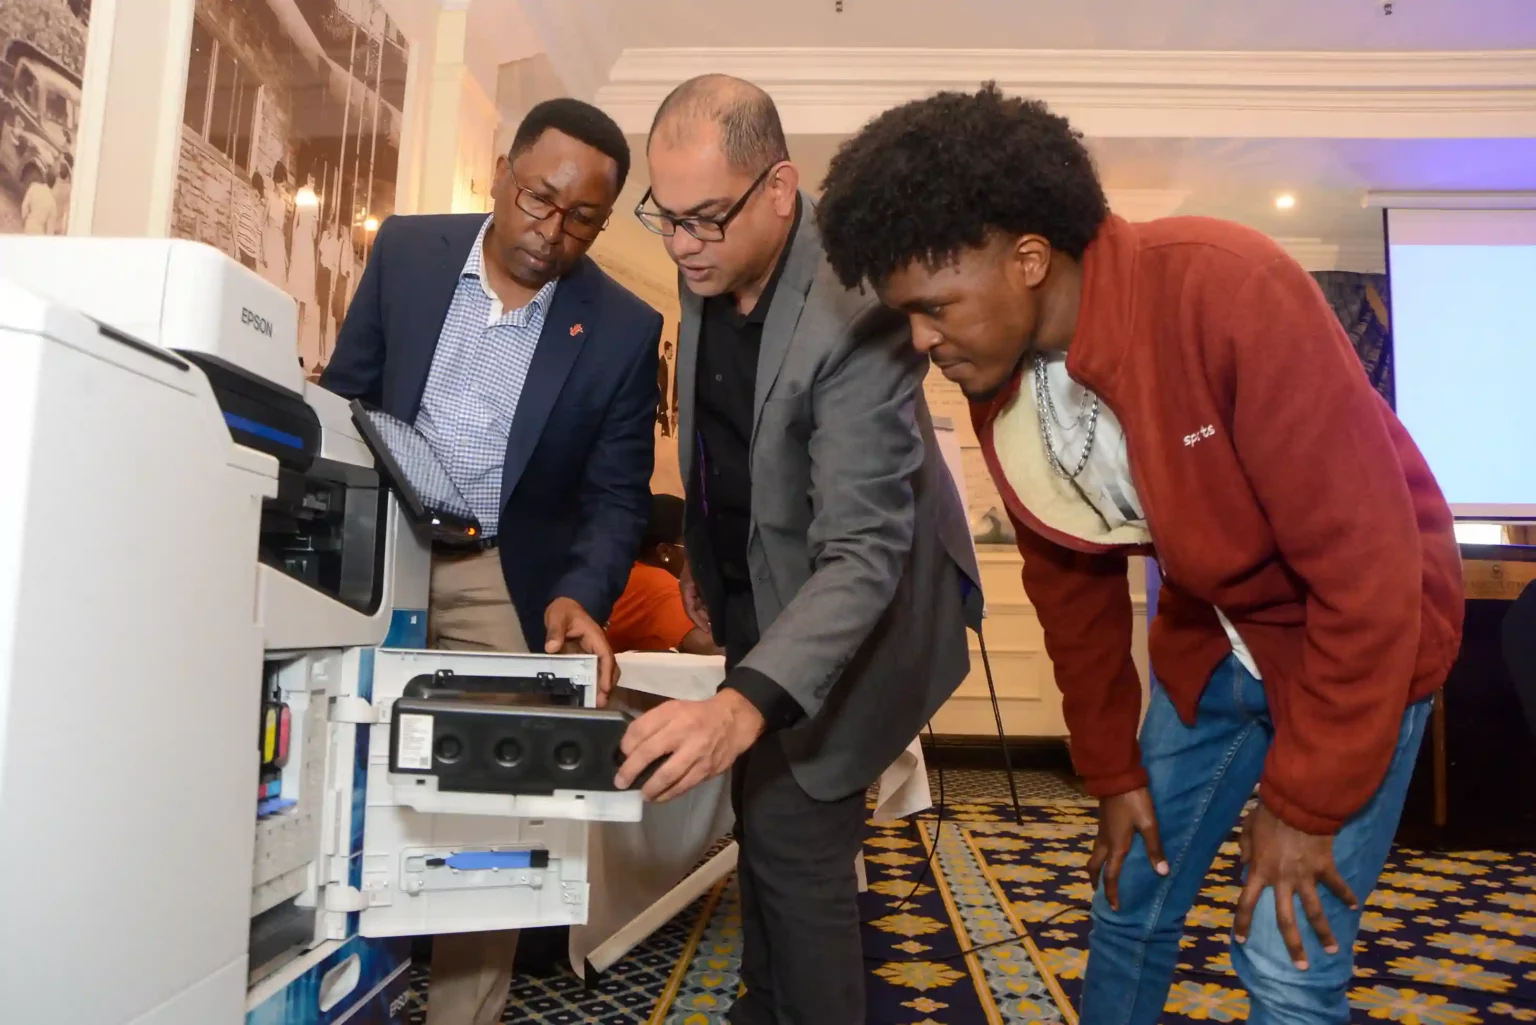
{"x":575,"y":223}
{"x":705,"y":229}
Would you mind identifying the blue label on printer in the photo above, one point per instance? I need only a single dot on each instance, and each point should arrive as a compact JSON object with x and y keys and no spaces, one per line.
{"x":261,"y":430}
{"x":376,"y":997}
{"x":359,"y":787}
{"x":407,"y":629}
{"x":480,"y":861}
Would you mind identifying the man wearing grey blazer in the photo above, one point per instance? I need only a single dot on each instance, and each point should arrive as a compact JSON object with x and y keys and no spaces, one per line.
{"x":828,"y":550}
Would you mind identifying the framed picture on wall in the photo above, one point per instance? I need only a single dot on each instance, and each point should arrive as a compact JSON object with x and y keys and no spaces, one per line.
{"x":290,"y":145}
{"x":43,"y":46}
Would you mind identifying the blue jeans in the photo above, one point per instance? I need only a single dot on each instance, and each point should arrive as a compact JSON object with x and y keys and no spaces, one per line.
{"x":1201,"y":776}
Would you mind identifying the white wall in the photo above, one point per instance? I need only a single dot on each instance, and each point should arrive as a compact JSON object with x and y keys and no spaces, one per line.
{"x":130,"y":119}
{"x":636,"y":260}
{"x":475,"y":164}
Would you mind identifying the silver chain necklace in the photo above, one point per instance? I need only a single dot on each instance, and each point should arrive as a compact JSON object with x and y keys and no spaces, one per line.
{"x":1045,"y":407}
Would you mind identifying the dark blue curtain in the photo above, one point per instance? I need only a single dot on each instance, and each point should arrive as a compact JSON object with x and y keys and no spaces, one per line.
{"x":1362,"y":302}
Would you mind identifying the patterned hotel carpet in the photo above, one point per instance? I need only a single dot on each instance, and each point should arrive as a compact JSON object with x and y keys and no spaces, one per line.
{"x":1447,"y":939}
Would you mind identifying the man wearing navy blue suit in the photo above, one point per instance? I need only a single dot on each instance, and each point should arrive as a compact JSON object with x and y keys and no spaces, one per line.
{"x":533,"y":375}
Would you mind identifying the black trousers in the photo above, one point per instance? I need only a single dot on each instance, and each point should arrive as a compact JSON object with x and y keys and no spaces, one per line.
{"x":802,"y":957}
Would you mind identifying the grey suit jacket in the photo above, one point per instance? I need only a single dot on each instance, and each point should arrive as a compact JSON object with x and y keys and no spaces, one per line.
{"x":864,"y":576}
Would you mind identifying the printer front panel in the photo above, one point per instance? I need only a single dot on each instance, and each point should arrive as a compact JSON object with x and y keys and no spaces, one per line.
{"x":425,"y":857}
{"x":376,"y":549}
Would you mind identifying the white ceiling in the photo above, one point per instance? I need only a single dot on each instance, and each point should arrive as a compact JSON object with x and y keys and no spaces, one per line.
{"x":1329,"y":25}
{"x":499,"y":32}
{"x":1398,"y":165}
{"x":1238,"y":179}
{"x":571,"y":46}
{"x":1383,"y":164}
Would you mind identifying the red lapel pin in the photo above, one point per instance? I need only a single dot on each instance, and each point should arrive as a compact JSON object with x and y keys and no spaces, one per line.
{"x":575,"y":330}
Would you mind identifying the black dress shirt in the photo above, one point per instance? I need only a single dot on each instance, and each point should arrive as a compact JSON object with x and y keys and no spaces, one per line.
{"x":729,"y":345}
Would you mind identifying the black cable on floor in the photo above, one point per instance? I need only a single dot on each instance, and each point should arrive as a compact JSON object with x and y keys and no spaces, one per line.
{"x":1013,"y":787}
{"x":933,"y":852}
{"x":1002,"y":736}
{"x":938,"y":831}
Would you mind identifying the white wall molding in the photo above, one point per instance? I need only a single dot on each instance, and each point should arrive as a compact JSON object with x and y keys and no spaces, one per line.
{"x":1360,"y":255}
{"x":1451,"y":200}
{"x":833,"y":91}
{"x":131,"y":123}
{"x":444,"y":86}
{"x":479,"y":121}
{"x":93,"y":106}
{"x":578,"y":41}
{"x":1146,"y":204}
{"x":414,"y":127}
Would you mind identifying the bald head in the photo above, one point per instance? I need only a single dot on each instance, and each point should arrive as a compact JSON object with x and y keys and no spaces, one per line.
{"x":741,"y":114}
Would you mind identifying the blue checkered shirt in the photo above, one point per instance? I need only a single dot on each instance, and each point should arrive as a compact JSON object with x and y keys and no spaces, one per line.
{"x":476,"y":380}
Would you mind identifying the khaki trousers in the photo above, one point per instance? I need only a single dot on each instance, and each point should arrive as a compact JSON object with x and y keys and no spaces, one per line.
{"x":469,"y":610}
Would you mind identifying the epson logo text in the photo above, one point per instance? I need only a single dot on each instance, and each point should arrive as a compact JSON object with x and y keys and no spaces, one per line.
{"x":256,"y":321}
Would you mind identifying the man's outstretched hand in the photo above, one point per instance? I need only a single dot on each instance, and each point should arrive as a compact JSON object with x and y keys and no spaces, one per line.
{"x":1293,"y":863}
{"x":1120,"y":818}
{"x":703,"y":739}
{"x":569,"y":630}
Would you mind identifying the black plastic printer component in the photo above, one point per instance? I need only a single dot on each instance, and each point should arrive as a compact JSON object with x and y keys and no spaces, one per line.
{"x":262,"y":415}
{"x":277,"y":936}
{"x":479,"y":746}
{"x":326,"y":528}
{"x":540,"y":689}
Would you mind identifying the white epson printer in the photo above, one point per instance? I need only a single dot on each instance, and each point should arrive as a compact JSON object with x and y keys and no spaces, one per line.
{"x":232,"y":772}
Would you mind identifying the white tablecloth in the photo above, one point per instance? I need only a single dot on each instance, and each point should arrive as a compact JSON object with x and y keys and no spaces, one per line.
{"x":632,"y":865}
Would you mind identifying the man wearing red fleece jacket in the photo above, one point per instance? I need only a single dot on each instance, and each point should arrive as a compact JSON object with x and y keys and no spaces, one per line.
{"x":1182,"y":390}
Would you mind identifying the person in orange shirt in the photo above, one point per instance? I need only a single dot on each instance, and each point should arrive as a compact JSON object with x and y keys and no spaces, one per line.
{"x":649,"y":615}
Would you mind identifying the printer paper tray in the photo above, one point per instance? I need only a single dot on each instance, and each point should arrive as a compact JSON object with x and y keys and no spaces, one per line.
{"x":423,"y":860}
{"x":422,"y":795}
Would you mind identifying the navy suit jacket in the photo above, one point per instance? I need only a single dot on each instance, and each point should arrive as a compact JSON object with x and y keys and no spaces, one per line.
{"x":575,"y":488}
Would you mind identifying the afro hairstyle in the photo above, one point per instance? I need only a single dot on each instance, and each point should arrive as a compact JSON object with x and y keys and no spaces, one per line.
{"x":933,"y":177}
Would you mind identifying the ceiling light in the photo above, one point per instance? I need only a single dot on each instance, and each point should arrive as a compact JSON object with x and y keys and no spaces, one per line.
{"x":371,"y":224}
{"x":1285,"y":201}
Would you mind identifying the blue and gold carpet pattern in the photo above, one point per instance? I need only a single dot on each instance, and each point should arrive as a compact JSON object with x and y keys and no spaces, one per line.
{"x":1447,"y":939}
{"x":976,"y":920}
